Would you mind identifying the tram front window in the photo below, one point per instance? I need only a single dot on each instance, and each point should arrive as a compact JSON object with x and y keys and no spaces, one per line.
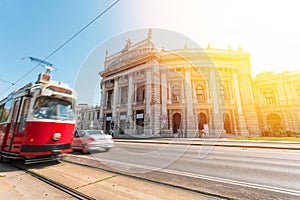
{"x":53,"y":108}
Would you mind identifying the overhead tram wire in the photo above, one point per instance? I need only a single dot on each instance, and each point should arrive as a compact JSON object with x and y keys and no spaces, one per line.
{"x":9,"y":82}
{"x":6,"y":81}
{"x":62,"y":45}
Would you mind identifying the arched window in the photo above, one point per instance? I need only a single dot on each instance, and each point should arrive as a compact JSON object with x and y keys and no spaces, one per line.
{"x":274,"y":123}
{"x":269,"y":96}
{"x":222,"y":93}
{"x":124,"y":95}
{"x":140,"y":98}
{"x":200,"y":93}
{"x":109,"y":99}
{"x":226,"y":90}
{"x":176,"y":93}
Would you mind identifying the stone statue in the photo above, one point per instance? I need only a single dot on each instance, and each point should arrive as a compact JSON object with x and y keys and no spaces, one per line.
{"x":128,"y":44}
{"x":149,"y":34}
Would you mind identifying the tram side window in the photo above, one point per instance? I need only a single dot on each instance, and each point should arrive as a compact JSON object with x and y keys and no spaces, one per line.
{"x":1,"y":111}
{"x":23,"y":116}
{"x":5,"y":110}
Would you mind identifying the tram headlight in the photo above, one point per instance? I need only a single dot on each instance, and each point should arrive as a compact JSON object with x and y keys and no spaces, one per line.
{"x":56,"y":136}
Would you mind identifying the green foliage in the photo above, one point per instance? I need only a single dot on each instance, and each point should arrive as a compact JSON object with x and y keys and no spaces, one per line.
{"x":271,"y":138}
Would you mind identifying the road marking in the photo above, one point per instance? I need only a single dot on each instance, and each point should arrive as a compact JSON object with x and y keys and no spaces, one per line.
{"x":192,"y":175}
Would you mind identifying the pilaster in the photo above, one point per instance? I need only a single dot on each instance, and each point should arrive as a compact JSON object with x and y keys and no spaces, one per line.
{"x":103,"y":96}
{"x":129,"y":121}
{"x":217,"y":118}
{"x":190,"y":118}
{"x":242,"y":125}
{"x":115,"y":103}
{"x":148,"y":116}
{"x":164,"y":88}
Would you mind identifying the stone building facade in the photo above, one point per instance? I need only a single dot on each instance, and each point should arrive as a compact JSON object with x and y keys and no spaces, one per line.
{"x":278,"y":102}
{"x":87,"y":117}
{"x":147,"y":90}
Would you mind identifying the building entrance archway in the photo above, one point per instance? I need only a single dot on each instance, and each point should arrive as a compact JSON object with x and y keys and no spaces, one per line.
{"x":227,"y":123}
{"x":274,"y":124}
{"x":176,"y":122}
{"x":202,"y":120}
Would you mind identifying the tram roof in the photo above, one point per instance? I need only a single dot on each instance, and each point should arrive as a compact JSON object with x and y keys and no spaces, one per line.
{"x":22,"y":90}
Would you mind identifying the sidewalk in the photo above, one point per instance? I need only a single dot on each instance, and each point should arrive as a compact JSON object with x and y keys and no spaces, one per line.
{"x":15,"y":184}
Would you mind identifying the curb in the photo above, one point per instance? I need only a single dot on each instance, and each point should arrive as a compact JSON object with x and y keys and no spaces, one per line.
{"x":220,"y":143}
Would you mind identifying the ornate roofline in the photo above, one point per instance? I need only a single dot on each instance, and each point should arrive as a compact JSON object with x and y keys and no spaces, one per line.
{"x":270,"y":75}
{"x":134,"y":53}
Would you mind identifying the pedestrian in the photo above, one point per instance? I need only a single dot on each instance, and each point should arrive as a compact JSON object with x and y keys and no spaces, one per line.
{"x":203,"y":133}
{"x":178,"y":133}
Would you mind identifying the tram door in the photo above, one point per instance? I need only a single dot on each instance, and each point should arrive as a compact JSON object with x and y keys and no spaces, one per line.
{"x":18,"y":122}
{"x":19,"y":125}
{"x":13,"y":128}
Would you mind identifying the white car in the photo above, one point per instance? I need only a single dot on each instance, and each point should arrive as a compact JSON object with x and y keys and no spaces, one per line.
{"x":87,"y":140}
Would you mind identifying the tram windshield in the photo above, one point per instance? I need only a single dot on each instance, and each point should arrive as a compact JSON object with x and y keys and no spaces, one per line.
{"x":53,"y":108}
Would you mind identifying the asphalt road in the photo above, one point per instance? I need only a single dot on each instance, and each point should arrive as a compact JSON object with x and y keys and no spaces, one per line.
{"x":231,"y":172}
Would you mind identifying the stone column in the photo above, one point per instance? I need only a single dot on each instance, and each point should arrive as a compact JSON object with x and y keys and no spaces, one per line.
{"x":235,"y":131}
{"x":164,"y":118}
{"x":193,"y":86}
{"x":242,"y":126}
{"x":183,"y":93}
{"x":217,"y":118}
{"x":170,"y":92}
{"x":230,"y":92}
{"x":158,"y":103}
{"x":237,"y":94}
{"x":147,"y":113}
{"x":102,"y":104}
{"x":115,"y":103}
{"x":190,"y":118}
{"x":210,"y":121}
{"x":208,"y":98}
{"x":164,"y":101}
{"x":129,"y":121}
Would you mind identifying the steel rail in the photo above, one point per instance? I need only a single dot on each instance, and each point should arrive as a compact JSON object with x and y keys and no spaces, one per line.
{"x":55,"y":184}
{"x":205,"y":194}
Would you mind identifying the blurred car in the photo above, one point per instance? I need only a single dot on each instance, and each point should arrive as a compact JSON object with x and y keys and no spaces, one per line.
{"x":86,"y":140}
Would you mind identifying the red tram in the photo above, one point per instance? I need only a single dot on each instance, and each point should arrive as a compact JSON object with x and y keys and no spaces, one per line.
{"x":37,"y":121}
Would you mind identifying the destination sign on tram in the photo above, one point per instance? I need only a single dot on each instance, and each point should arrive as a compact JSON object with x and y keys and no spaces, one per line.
{"x":60,"y":90}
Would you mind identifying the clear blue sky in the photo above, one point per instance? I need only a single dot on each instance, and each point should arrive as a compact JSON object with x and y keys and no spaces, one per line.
{"x":36,"y":28}
{"x":268,"y":30}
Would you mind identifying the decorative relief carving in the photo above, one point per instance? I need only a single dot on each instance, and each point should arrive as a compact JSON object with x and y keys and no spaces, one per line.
{"x":123,"y":80}
{"x":140,"y":77}
{"x":109,"y":85}
{"x":123,"y":57}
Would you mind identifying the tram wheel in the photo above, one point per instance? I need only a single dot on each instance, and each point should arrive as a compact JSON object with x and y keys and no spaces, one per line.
{"x":2,"y":159}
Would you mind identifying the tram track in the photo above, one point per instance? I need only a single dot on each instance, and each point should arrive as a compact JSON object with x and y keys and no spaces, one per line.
{"x":140,"y":178}
{"x":48,"y":174}
{"x":72,"y":192}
